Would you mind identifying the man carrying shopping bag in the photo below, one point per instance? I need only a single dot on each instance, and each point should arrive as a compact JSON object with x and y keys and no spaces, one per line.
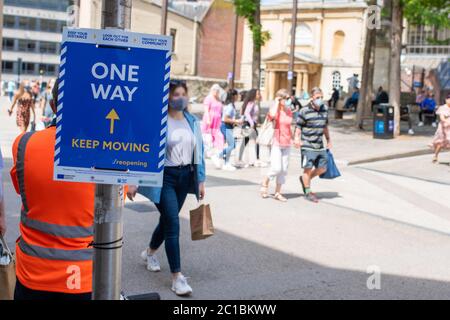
{"x":312,"y":126}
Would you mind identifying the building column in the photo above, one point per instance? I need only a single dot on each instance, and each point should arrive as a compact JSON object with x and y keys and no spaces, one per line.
{"x":298,"y":84}
{"x":272,"y":79}
{"x":305,"y":81}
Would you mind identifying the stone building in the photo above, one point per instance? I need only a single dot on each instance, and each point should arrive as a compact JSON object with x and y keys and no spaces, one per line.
{"x":202,"y":34}
{"x":329,"y":44}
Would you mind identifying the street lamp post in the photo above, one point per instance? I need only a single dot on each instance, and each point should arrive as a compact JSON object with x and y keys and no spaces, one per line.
{"x":108,"y":221}
{"x":164,"y":5}
{"x":292,"y":52}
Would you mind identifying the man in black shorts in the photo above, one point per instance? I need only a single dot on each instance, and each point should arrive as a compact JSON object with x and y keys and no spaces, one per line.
{"x":312,"y":124}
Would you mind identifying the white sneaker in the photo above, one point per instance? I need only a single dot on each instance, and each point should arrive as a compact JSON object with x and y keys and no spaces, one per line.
{"x":217,"y":162}
{"x":180,"y":286}
{"x":411,"y":132}
{"x":434,"y":124}
{"x":229,"y":167}
{"x":152,"y":261}
{"x":264,"y":164}
{"x":420,"y":124}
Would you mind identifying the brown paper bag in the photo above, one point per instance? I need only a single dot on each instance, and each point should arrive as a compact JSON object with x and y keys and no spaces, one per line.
{"x":7,"y":276}
{"x":201,"y":222}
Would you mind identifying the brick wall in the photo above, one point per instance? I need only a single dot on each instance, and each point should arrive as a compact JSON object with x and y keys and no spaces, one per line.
{"x":215,"y":47}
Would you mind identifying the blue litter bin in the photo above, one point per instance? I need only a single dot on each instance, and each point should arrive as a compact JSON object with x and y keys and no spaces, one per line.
{"x":383,"y":121}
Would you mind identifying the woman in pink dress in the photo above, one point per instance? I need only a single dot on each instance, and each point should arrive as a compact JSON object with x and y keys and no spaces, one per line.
{"x":441,"y":138}
{"x":212,"y":120}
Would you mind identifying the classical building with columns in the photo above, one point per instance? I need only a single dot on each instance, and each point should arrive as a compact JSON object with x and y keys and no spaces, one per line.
{"x":329,"y":45}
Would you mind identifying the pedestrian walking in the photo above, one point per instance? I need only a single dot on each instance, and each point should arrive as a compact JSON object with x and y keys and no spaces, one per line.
{"x":441,"y":138}
{"x":212,"y":120}
{"x":250,"y":113}
{"x":47,"y":112}
{"x":281,"y":116}
{"x":229,"y":121}
{"x":11,"y":89}
{"x":312,"y":125}
{"x":53,"y":254}
{"x":184,"y":173}
{"x":25,"y":106}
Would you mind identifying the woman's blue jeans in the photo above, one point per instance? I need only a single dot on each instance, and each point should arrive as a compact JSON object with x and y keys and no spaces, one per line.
{"x":227,"y":131}
{"x":176,"y":184}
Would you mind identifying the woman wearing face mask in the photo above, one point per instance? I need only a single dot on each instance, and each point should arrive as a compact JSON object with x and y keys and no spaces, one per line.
{"x":281,"y":115}
{"x":184,"y":172}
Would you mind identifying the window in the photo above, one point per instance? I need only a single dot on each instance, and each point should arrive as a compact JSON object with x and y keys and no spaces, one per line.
{"x":48,"y":47}
{"x":338,"y":44}
{"x":47,"y":69}
{"x":49,"y":25}
{"x":27,"y":68}
{"x":27,"y":45}
{"x":8,"y":44}
{"x":57,"y":5}
{"x":303,"y":35}
{"x":7,"y":66}
{"x":428,"y":40}
{"x":26,"y":23}
{"x":336,"y":79}
{"x":173,"y":34}
{"x":9,"y":21}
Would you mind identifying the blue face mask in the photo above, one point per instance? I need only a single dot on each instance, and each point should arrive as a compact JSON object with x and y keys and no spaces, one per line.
{"x":288,"y":102}
{"x":179,"y":104}
{"x":318,"y":102}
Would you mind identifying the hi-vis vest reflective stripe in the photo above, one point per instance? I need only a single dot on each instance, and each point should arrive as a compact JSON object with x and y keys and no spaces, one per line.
{"x":48,"y":228}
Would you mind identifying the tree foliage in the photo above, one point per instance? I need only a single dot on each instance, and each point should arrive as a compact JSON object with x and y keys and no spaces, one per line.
{"x":247,"y":9}
{"x":427,"y":12}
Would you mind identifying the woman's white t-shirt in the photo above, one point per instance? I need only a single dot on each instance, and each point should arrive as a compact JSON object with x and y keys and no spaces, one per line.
{"x":180,"y":143}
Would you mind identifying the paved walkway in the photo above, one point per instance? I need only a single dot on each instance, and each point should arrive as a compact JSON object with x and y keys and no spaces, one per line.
{"x":390,"y":215}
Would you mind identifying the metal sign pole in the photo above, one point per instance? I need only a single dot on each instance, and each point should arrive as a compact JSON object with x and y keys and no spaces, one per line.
{"x":108,"y":222}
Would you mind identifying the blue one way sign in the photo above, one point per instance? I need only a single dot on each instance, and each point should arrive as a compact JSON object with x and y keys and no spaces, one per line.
{"x":112,"y":107}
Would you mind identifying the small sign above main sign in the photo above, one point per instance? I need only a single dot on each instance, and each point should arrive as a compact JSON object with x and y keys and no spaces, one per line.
{"x":112,"y":107}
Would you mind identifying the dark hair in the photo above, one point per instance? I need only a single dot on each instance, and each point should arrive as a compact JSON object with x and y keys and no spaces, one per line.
{"x":249,"y":97}
{"x":175,"y":84}
{"x":230,"y":96}
{"x":55,"y":92}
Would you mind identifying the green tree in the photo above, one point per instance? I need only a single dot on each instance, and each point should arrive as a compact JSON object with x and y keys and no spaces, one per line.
{"x":250,"y":10}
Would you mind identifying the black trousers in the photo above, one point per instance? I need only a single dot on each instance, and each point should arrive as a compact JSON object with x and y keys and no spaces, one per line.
{"x":431,"y":113}
{"x":23,"y":293}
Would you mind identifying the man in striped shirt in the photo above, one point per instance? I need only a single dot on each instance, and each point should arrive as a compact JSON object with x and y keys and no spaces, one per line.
{"x":312,"y":124}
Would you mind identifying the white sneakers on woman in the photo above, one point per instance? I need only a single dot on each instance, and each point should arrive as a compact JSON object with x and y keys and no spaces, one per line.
{"x":152,"y":261}
{"x":180,"y":286}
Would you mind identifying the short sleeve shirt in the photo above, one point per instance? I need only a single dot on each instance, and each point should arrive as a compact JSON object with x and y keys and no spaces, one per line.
{"x":229,"y":111}
{"x":312,"y":123}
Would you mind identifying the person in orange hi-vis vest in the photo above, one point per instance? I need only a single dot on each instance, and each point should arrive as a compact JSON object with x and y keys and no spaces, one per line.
{"x":53,"y":252}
